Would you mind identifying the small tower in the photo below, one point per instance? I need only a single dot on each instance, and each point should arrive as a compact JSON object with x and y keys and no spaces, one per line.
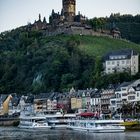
{"x":39,"y":17}
{"x":44,"y":20}
{"x":69,"y":9}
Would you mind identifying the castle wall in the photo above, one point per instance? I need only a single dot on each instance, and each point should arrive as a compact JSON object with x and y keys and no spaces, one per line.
{"x":75,"y":31}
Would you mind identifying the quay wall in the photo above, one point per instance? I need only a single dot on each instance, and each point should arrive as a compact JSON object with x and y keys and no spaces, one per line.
{"x":9,"y":122}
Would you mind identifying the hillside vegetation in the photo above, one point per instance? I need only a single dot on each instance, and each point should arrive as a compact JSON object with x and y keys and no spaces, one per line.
{"x":32,"y":62}
{"x":128,"y":25}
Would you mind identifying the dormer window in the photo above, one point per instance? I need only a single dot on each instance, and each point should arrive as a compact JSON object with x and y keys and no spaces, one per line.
{"x":111,"y":57}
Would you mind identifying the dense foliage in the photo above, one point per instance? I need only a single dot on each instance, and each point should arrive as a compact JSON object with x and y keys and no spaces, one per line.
{"x":32,"y":62}
{"x":128,"y":25}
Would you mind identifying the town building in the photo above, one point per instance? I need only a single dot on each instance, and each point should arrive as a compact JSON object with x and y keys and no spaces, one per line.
{"x":120,"y":96}
{"x":76,"y":101}
{"x":81,"y":99}
{"x":121,"y":61}
{"x":40,"y":102}
{"x":96,"y":100}
{"x":86,"y":98}
{"x":52,"y":101}
{"x":64,"y":102}
{"x":29,"y":104}
{"x":127,"y":92}
{"x":106,"y":95}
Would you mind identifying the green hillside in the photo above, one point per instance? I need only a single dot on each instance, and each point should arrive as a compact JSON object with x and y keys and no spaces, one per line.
{"x":99,"y":46}
{"x":32,"y":62}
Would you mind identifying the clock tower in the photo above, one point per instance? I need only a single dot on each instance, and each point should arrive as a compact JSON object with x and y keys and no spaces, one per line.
{"x":69,"y":9}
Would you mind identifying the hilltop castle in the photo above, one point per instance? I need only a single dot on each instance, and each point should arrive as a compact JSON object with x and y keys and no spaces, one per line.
{"x":65,"y":22}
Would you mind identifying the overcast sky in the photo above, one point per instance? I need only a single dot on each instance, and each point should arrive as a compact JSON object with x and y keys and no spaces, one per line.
{"x":15,"y":13}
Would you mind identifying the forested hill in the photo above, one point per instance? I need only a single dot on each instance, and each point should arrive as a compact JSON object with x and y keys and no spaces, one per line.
{"x":128,"y":25}
{"x":32,"y":62}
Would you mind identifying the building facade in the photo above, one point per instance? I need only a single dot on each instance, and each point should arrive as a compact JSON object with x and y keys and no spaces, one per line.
{"x":126,"y":93}
{"x":96,"y":101}
{"x":122,"y":61}
{"x":106,"y":95}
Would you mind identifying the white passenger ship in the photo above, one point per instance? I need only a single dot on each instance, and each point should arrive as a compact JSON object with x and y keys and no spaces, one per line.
{"x":58,"y":120}
{"x":100,"y":126}
{"x":33,"y":121}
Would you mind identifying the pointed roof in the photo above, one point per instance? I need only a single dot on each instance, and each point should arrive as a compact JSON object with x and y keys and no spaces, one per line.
{"x":44,"y":20}
{"x":39,"y":17}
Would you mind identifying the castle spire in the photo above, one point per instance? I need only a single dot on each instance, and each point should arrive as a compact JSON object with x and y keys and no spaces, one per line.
{"x":44,"y":20}
{"x":39,"y":17}
{"x":62,"y":12}
{"x":53,"y":11}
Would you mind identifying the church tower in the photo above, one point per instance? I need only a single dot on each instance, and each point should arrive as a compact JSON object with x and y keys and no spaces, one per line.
{"x":69,"y":9}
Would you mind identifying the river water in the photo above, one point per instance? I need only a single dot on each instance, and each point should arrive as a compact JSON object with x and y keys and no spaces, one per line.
{"x":14,"y":133}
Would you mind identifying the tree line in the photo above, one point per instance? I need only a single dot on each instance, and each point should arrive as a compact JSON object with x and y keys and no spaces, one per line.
{"x":32,"y":62}
{"x":128,"y":25}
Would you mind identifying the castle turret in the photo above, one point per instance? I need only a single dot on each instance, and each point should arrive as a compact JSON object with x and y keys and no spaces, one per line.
{"x":44,"y":20}
{"x":69,"y":9}
{"x":39,"y":17}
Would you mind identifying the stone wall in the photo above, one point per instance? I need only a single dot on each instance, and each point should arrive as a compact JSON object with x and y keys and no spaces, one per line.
{"x":73,"y":30}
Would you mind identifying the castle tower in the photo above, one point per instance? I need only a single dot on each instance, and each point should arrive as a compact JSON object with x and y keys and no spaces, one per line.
{"x":69,"y":9}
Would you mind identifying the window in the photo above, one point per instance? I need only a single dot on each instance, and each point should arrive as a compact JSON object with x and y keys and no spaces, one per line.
{"x":127,"y":61}
{"x":108,"y":63}
{"x":113,"y":62}
{"x":118,"y":95}
{"x":122,"y":62}
{"x":123,"y":88}
{"x":137,"y":94}
{"x":124,"y":94}
{"x":113,"y":102}
{"x":131,"y":97}
{"x":111,"y":57}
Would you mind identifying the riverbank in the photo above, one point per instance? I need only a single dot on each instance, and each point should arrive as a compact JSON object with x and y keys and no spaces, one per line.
{"x":9,"y":122}
{"x":135,"y":127}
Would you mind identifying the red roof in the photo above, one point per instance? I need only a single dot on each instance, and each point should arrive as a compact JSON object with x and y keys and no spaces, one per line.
{"x":60,"y":105}
{"x":87,"y":114}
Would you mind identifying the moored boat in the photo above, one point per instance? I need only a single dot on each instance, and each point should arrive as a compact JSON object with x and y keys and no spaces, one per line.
{"x":100,"y":126}
{"x":58,"y":120}
{"x":33,"y":121}
{"x":130,"y":123}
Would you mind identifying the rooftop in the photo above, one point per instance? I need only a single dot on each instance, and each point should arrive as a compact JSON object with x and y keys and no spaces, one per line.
{"x":120,"y":54}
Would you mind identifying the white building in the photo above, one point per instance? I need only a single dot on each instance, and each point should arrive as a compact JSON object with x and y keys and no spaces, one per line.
{"x":127,"y":92}
{"x":133,"y":94}
{"x":122,"y":61}
{"x":120,"y":96}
